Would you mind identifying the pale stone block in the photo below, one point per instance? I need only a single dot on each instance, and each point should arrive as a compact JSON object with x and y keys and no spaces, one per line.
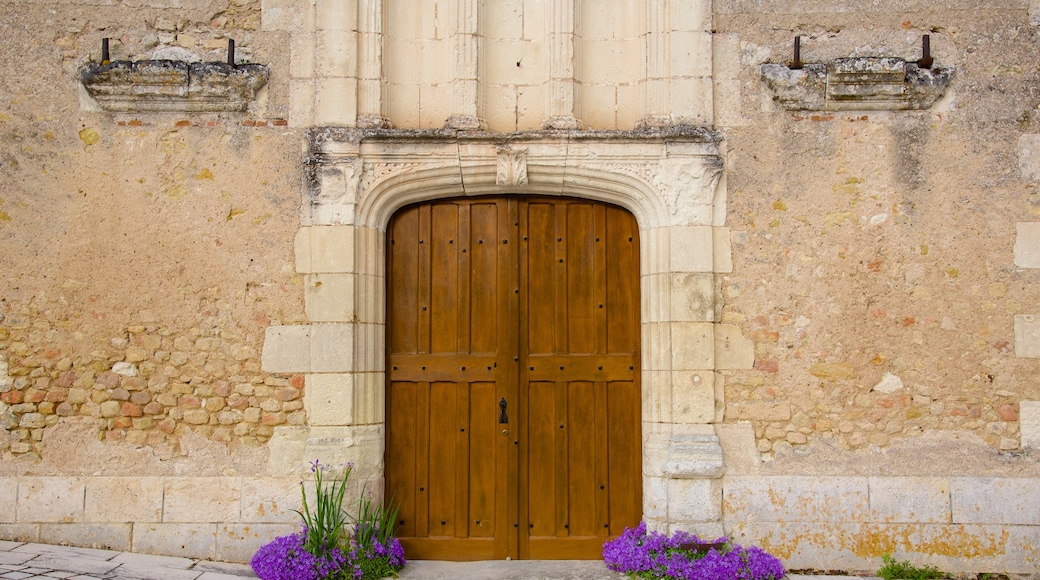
{"x":332,"y":347}
{"x":692,"y":297}
{"x":270,"y":500}
{"x":703,"y":530}
{"x":796,"y":499}
{"x":335,"y":15}
{"x":437,"y":106}
{"x":722,"y":251}
{"x":238,"y":542}
{"x":732,"y":350}
{"x":530,"y":107}
{"x":759,"y":410}
{"x":182,"y":540}
{"x":329,"y":297}
{"x":909,"y":499}
{"x":694,"y":456}
{"x":504,"y":19}
{"x":371,"y":244}
{"x":20,"y":532}
{"x":1012,"y":549}
{"x":692,"y":100}
{"x":370,"y":348}
{"x":287,"y":446}
{"x":995,"y":500}
{"x":1027,"y":335}
{"x":94,"y":535}
{"x":500,"y":107}
{"x":338,"y":446}
{"x":690,"y":15}
{"x":655,"y":498}
{"x":729,"y":110}
{"x":596,"y":105}
{"x":286,"y":15}
{"x":693,"y":345}
{"x":691,"y":54}
{"x":654,"y":290}
{"x":657,"y":346}
{"x":330,"y":399}
{"x":335,"y":101}
{"x":739,"y":451}
{"x":50,"y":499}
{"x":1027,"y":244}
{"x":694,"y":500}
{"x":124,"y":499}
{"x":1029,"y":423}
{"x":691,"y":249}
{"x":8,"y":499}
{"x":301,"y":102}
{"x":335,"y":54}
{"x":1029,"y":155}
{"x":631,"y":104}
{"x":403,"y":104}
{"x":693,"y":396}
{"x":371,"y":299}
{"x":501,"y":61}
{"x":287,"y":349}
{"x":657,"y":395}
{"x":726,"y":56}
{"x":201,"y":499}
{"x":325,"y":249}
{"x":301,"y":55}
{"x":369,"y":398}
{"x":823,"y":545}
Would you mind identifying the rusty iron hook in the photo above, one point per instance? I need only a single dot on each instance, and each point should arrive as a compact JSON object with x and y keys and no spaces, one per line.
{"x":796,"y":64}
{"x":926,"y":52}
{"x":105,"y":56}
{"x":231,"y":51}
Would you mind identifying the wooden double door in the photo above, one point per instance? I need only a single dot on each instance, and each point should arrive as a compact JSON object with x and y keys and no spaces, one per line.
{"x":513,"y":398}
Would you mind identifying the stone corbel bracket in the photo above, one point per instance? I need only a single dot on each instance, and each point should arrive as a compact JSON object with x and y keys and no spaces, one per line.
{"x":857,"y":83}
{"x":173,"y":85}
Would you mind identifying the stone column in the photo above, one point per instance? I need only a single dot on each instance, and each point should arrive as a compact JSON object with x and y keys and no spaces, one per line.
{"x":335,"y":61}
{"x":560,"y":97}
{"x":658,"y":65}
{"x":466,"y":93}
{"x":370,"y":65}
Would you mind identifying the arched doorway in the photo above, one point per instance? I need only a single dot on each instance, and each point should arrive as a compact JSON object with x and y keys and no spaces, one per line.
{"x":513,"y":363}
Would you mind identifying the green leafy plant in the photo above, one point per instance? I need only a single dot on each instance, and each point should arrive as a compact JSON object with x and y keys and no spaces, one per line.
{"x":894,"y":570}
{"x":325,"y":523}
{"x":373,"y":535}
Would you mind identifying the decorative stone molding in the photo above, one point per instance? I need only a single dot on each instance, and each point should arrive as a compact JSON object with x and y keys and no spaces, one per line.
{"x":173,"y":85}
{"x":858,"y":83}
{"x":512,"y":166}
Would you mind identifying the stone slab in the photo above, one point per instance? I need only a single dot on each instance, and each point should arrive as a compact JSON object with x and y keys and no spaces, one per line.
{"x":1027,"y":335}
{"x":238,"y":542}
{"x":795,"y":499}
{"x":201,"y":499}
{"x":1027,"y":244}
{"x":909,"y":499}
{"x":995,"y":501}
{"x":124,"y":499}
{"x":287,"y":349}
{"x":270,"y":500}
{"x":181,"y":540}
{"x":93,"y":535}
{"x":1029,"y":423}
{"x":732,"y":350}
{"x":8,"y":499}
{"x":50,"y":499}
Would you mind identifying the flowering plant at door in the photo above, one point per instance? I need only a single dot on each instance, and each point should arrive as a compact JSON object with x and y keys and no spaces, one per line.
{"x":683,"y":556}
{"x":334,"y":545}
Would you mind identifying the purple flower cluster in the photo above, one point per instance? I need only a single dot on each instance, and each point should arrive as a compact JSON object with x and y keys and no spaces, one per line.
{"x":684,"y":556}
{"x":285,"y":559}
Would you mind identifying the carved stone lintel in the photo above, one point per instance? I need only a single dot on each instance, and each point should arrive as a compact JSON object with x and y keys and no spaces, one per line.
{"x":861,"y":83}
{"x":512,"y":166}
{"x":171,"y":85}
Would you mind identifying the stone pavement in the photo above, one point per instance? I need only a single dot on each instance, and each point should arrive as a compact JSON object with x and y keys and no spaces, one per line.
{"x":27,"y":561}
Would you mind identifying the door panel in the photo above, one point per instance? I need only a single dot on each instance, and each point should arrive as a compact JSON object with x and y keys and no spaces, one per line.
{"x":534,"y":303}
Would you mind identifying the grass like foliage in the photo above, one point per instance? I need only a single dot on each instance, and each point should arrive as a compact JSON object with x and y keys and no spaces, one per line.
{"x":894,"y":570}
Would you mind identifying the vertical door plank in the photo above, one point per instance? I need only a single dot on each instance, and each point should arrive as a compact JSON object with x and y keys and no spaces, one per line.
{"x":422,"y":285}
{"x":581,"y":459}
{"x":622,"y":283}
{"x":482,"y":460}
{"x":463,"y":275}
{"x":540,"y":280}
{"x":460,"y":432}
{"x":441,"y":488}
{"x":626,"y":484}
{"x":542,"y":458}
{"x":401,"y":437}
{"x":422,"y":459}
{"x":580,"y":285}
{"x":560,"y":483}
{"x":483,"y":276}
{"x":444,"y":279}
{"x":404,"y":270}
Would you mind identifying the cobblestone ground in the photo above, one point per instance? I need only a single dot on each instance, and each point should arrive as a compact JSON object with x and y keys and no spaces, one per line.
{"x":19,"y":561}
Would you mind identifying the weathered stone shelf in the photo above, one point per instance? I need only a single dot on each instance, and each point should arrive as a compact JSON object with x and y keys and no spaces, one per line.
{"x":173,"y":85}
{"x":857,"y":83}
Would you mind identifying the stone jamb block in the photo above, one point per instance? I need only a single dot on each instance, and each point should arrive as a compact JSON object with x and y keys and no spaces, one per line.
{"x":910,"y":500}
{"x":694,"y":500}
{"x":1029,"y":423}
{"x":361,"y":445}
{"x":722,"y":249}
{"x":691,"y":249}
{"x":692,"y":297}
{"x":325,"y":249}
{"x":1027,"y":335}
{"x":93,"y":535}
{"x":124,"y":499}
{"x":50,"y":499}
{"x":693,"y":396}
{"x":201,"y":499}
{"x":187,"y":540}
{"x":1002,"y":501}
{"x":332,"y":347}
{"x":330,"y":399}
{"x":287,"y":447}
{"x":693,"y":345}
{"x":732,"y":350}
{"x":287,"y":349}
{"x":330,"y":297}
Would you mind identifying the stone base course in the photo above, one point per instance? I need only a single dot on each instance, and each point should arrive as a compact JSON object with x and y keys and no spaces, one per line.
{"x":961,"y":524}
